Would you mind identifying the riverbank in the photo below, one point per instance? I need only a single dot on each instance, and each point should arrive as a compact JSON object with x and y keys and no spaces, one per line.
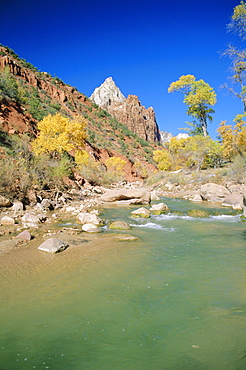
{"x":62,"y":218}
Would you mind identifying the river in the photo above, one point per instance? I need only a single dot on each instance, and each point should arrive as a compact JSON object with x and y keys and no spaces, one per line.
{"x":174,"y":299}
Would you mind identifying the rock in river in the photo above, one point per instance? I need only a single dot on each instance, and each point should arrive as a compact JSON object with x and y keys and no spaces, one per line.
{"x":141,"y":212}
{"x":119,"y":225}
{"x":53,"y":245}
{"x":90,"y":228}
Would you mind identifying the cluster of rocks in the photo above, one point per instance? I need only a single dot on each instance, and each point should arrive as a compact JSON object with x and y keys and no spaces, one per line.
{"x":86,"y":214}
{"x":232,"y":195}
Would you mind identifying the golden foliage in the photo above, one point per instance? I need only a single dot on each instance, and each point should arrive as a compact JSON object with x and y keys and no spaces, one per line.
{"x":198,"y":96}
{"x":163,"y":160}
{"x":82,"y":157}
{"x":140,"y":170}
{"x":239,"y":11}
{"x":58,"y":134}
{"x":115,"y":165}
{"x":182,"y":84}
{"x":233,"y":138}
{"x":198,"y":151}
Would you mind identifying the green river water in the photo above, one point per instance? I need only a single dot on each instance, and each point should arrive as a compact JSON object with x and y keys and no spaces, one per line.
{"x":174,"y":299}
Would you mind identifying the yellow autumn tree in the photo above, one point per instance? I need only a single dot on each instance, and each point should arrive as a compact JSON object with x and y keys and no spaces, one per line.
{"x":162,"y":159}
{"x":233,"y":138}
{"x":115,"y":165}
{"x":195,"y":151}
{"x":199,"y":96}
{"x":82,"y":158}
{"x":58,"y":134}
{"x":202,"y":152}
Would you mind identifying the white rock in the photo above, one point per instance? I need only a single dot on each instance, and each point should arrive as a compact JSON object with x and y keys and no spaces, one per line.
{"x":30,"y":220}
{"x":17,"y":206}
{"x":196,"y":198}
{"x":141,"y":212}
{"x":160,"y":207}
{"x":53,"y":245}
{"x":90,"y":228}
{"x":71,"y":209}
{"x":85,"y":218}
{"x":106,"y":93}
{"x":6,"y":220}
{"x":95,"y":212}
{"x":154,"y":195}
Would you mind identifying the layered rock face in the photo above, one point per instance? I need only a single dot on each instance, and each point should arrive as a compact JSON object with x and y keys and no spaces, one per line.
{"x":129,"y":111}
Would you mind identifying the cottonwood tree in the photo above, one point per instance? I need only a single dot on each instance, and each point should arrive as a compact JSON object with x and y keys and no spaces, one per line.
{"x":196,"y":152}
{"x":199,"y":96}
{"x":233,"y":138}
{"x":237,"y":56}
{"x":58,"y":134}
{"x":238,"y":20}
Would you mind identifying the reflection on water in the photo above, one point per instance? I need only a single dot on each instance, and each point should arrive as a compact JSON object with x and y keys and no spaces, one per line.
{"x":174,"y":299}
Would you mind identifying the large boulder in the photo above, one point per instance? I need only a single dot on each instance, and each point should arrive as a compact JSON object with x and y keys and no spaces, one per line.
{"x":213,"y":192}
{"x":233,"y":200}
{"x":142,"y":196}
{"x":53,"y":245}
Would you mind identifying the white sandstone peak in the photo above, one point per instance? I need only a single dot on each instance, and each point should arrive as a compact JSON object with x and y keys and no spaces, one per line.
{"x":107,"y":93}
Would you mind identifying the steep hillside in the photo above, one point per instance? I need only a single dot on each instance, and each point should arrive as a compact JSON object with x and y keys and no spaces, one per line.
{"x":28,"y":95}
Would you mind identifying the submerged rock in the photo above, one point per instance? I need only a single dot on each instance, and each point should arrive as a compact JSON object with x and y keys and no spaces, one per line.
{"x":125,"y":238}
{"x":7,"y":245}
{"x":198,"y":213}
{"x":119,"y":225}
{"x":53,"y":245}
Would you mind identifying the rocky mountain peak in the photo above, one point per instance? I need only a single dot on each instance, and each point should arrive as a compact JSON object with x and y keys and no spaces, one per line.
{"x":107,"y":93}
{"x":129,"y":111}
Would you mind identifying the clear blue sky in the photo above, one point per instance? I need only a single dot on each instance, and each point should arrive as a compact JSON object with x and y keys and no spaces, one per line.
{"x":143,"y":45}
